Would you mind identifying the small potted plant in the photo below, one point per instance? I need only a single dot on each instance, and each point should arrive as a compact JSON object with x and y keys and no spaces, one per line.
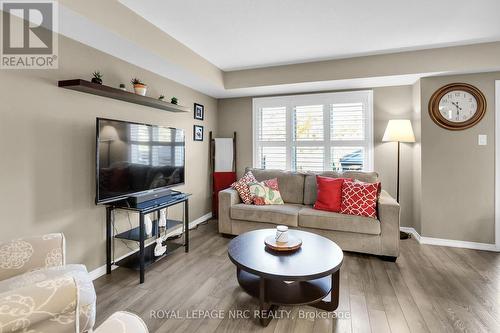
{"x":97,"y":77}
{"x":174,"y":100}
{"x":122,"y":87}
{"x":139,"y":87}
{"x":161,"y":98}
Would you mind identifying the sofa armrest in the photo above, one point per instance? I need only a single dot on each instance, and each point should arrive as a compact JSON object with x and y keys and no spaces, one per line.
{"x":27,"y":254}
{"x":388,"y":214}
{"x":227,"y":198}
{"x":43,"y":306}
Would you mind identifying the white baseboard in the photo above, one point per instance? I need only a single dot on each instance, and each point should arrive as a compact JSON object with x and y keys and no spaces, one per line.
{"x":412,"y":232}
{"x":100,"y":271}
{"x":450,"y":242}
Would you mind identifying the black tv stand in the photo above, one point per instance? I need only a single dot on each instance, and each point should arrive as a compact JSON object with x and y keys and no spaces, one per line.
{"x":143,"y":258}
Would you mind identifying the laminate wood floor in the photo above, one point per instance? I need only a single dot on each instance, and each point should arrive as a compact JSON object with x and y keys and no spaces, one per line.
{"x":428,"y":289}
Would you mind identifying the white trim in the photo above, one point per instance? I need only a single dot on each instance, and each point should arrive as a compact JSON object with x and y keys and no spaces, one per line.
{"x":449,"y":242}
{"x":254,"y":129}
{"x":100,"y":271}
{"x":411,"y":231}
{"x":497,"y":164}
{"x":370,"y":133}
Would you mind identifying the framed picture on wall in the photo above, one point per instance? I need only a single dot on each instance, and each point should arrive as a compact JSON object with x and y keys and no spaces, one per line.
{"x":198,"y":133}
{"x":199,"y":111}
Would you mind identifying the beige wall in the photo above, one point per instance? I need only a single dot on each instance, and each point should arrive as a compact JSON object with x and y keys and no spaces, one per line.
{"x":47,"y":146}
{"x":235,"y":114}
{"x":394,"y":103}
{"x":457,"y":174}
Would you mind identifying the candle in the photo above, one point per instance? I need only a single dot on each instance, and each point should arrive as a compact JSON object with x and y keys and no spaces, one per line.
{"x":281,"y":234}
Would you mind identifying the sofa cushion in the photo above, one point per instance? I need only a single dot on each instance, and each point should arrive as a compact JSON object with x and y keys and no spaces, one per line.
{"x":291,"y":184}
{"x":310,"y":189}
{"x":366,"y":177}
{"x":277,"y":214}
{"x":318,"y":219}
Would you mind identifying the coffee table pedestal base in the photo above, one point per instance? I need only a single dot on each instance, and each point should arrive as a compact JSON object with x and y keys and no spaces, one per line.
{"x":322,"y":293}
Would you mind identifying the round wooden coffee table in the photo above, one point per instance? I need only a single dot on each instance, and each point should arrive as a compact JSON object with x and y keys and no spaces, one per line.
{"x":309,"y":275}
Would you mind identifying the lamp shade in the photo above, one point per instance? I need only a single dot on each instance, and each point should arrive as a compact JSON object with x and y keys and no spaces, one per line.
{"x":108,"y":134}
{"x":399,"y":130}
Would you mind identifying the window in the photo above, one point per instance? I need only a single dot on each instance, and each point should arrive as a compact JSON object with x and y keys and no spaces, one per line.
{"x":315,"y":132}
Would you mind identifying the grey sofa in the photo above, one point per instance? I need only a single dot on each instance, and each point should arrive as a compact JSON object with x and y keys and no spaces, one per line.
{"x":352,"y":233}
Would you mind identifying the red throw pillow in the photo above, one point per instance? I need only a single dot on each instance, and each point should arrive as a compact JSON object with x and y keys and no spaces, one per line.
{"x":329,"y":196}
{"x":360,"y":199}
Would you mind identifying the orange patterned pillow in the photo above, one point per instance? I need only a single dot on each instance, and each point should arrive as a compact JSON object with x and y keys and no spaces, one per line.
{"x":266,"y":192}
{"x":241,"y":186}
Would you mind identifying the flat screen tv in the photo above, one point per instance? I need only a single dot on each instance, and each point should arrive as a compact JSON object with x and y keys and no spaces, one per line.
{"x":133,"y":158}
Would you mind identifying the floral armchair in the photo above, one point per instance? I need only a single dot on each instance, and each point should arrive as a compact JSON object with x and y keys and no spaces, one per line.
{"x":39,"y":292}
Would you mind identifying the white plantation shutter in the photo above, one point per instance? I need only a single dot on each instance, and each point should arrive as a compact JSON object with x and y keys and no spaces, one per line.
{"x":315,"y":132}
{"x":350,"y":134}
{"x":347,"y":121}
{"x":272,"y":124}
{"x":309,"y":159}
{"x":271,"y":134}
{"x":272,"y":157}
{"x":308,"y":123}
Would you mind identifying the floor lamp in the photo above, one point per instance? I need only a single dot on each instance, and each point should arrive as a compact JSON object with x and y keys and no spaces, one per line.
{"x":399,"y":130}
{"x":108,"y":134}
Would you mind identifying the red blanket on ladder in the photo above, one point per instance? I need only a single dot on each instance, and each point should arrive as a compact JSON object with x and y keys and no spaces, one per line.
{"x":221,"y":181}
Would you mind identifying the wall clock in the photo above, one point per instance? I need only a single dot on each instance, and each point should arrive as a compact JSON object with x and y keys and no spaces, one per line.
{"x":457,"y":106}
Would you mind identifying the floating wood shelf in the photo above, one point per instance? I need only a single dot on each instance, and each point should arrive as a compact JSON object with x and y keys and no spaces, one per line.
{"x":115,"y":93}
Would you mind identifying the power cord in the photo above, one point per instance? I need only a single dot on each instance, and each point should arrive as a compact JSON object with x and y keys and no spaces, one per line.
{"x":190,"y":229}
{"x":116,"y":231}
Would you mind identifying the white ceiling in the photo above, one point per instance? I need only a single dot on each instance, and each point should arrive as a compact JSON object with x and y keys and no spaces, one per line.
{"x":81,"y":29}
{"x":236,"y":34}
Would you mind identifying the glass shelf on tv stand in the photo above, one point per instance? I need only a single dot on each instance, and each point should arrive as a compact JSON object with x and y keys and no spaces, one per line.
{"x":133,"y":234}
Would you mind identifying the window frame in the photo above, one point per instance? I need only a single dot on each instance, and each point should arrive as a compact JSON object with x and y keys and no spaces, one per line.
{"x":325,"y":99}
